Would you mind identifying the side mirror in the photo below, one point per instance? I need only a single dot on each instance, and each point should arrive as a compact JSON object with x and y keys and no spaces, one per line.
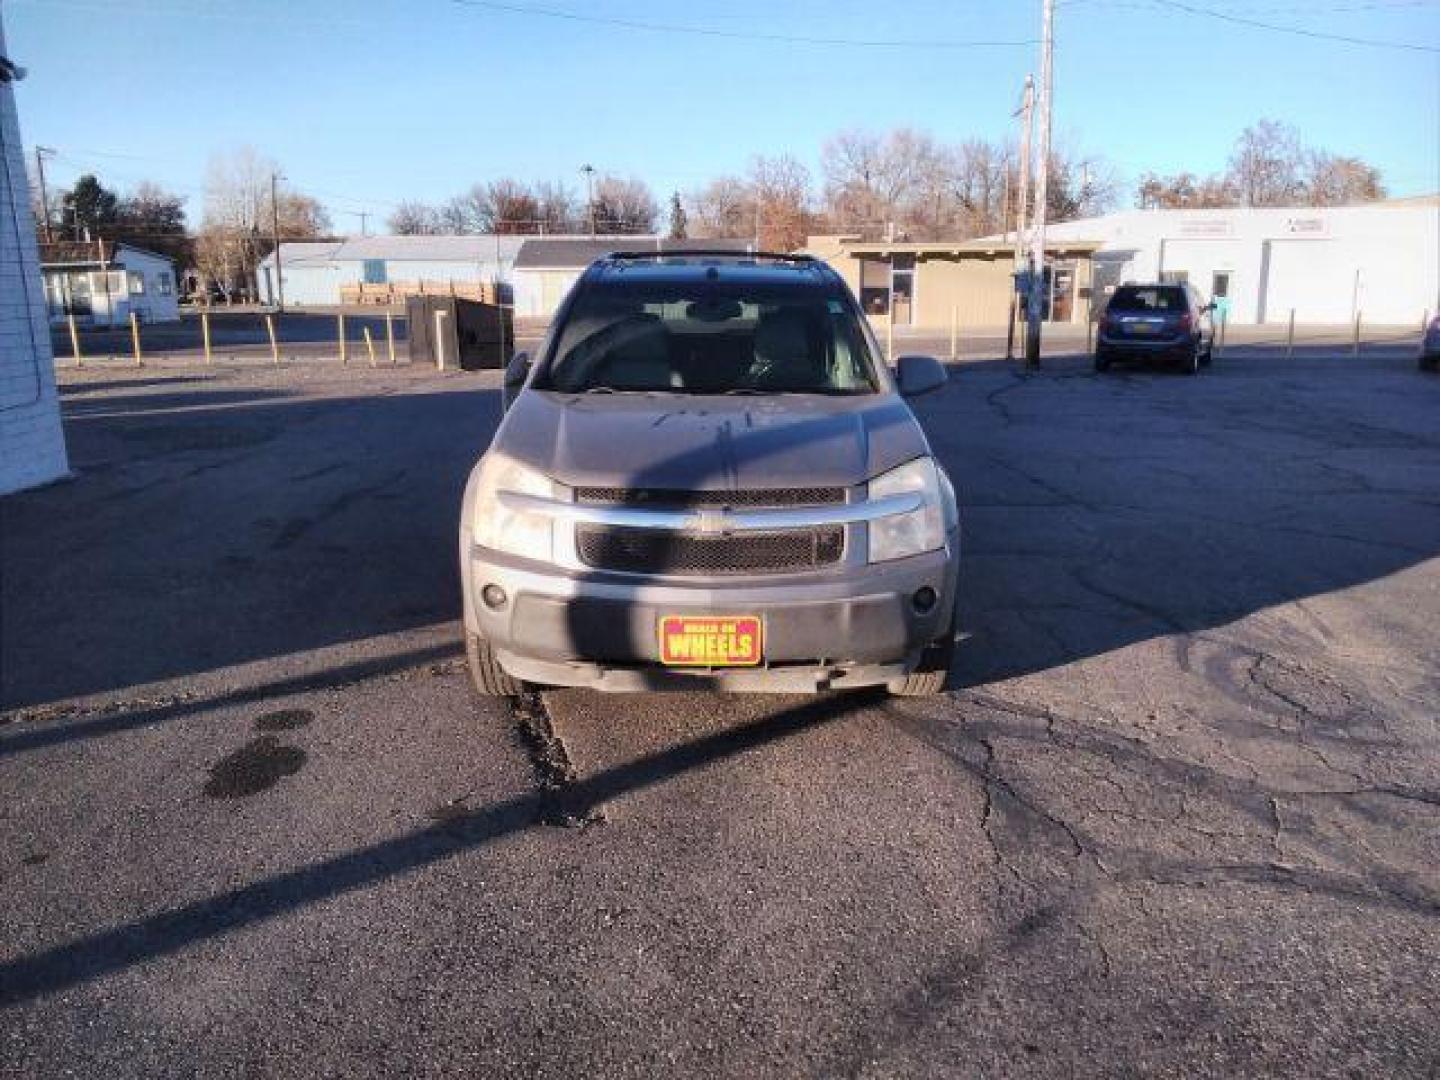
{"x":919,"y":375}
{"x":517,"y":371}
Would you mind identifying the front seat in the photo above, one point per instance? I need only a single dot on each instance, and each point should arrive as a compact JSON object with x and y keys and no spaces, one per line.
{"x":638,"y":357}
{"x":785,"y":354}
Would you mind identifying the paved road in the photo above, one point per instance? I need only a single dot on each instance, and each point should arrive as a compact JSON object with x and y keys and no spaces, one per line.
{"x":1180,"y":814}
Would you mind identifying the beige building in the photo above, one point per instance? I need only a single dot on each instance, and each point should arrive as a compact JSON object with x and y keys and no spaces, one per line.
{"x":929,"y":284}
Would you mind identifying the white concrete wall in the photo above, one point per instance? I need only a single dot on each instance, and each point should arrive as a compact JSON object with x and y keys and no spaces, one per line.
{"x":32,"y":444}
{"x":1322,"y":262}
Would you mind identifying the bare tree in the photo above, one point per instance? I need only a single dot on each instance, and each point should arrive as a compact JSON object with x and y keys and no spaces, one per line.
{"x":624,"y":205}
{"x":1184,"y":191}
{"x":240,"y":217}
{"x":504,"y":206}
{"x":1266,"y":165}
{"x":555,"y":207}
{"x":722,"y":208}
{"x":458,"y":216}
{"x":874,"y":181}
{"x":781,"y":201}
{"x":1340,"y":181}
{"x":415,"y":219}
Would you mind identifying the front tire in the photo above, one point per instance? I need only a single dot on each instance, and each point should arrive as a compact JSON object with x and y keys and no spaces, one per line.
{"x":1102,"y":362}
{"x":490,"y":679}
{"x":1191,"y":364}
{"x":930,"y":675}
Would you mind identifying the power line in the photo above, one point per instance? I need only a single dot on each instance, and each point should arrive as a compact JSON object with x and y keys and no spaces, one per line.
{"x":1297,"y":30}
{"x":740,"y":35}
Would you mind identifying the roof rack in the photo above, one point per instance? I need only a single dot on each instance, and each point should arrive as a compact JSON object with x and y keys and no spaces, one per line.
{"x":711,"y":253}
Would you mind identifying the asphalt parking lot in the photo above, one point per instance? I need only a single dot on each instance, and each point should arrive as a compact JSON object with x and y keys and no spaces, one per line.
{"x":1180,"y":813}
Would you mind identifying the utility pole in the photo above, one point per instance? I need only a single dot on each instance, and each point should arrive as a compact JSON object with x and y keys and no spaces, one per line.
{"x":1035,"y":307}
{"x":364,"y":216}
{"x":40,"y":152}
{"x":589,"y":171}
{"x":275,"y":229}
{"x":1026,"y":112}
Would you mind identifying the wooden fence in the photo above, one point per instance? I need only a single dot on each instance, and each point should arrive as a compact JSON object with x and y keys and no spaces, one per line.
{"x":397,"y":292}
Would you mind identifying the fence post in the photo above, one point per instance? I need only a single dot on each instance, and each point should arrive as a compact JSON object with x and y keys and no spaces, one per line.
{"x":274,"y":345}
{"x":205,"y":335}
{"x":369,"y":345}
{"x":1355,"y":346}
{"x":344,"y":349}
{"x":390,"y":336}
{"x":1290,"y":337}
{"x":954,"y":332}
{"x":135,"y":339}
{"x":74,"y":340}
{"x":440,"y":340}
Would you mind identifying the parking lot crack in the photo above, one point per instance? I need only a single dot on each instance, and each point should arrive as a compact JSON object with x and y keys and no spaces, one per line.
{"x":555,"y":773}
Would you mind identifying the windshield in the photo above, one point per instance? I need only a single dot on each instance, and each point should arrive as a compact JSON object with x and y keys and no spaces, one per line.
{"x":1165,"y":299}
{"x":710,"y":338}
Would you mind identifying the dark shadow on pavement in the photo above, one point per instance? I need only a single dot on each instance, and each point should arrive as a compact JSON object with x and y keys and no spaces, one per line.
{"x":168,"y":932}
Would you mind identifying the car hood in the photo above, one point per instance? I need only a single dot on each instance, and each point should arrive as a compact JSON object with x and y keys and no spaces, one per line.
{"x":700,"y":443}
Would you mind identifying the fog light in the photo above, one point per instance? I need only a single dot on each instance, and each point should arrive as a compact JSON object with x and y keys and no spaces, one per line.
{"x":924,"y":599}
{"x":494,"y":596}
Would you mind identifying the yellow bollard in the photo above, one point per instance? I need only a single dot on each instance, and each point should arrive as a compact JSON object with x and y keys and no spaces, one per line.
{"x":390,"y":336}
{"x":274,"y":344}
{"x":369,"y":345}
{"x":135,"y":339}
{"x":344,"y":351}
{"x":74,"y":341}
{"x":205,"y":335}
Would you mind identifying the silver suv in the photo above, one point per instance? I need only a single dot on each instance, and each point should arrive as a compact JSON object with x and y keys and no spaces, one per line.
{"x":707,"y":478}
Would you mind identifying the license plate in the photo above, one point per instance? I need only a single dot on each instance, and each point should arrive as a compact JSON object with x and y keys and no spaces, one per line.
{"x":711,"y":640}
{"x":1142,"y":328}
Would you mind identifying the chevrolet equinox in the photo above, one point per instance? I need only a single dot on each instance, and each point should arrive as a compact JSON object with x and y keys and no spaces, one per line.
{"x":707,"y":477}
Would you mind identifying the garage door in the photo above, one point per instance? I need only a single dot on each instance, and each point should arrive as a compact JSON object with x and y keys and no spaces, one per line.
{"x":1310,"y":277}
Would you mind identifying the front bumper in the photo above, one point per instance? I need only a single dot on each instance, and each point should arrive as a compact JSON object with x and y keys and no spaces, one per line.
{"x":846,"y":626}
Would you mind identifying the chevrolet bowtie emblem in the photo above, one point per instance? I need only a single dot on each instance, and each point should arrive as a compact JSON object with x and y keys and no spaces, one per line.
{"x":709,"y":522}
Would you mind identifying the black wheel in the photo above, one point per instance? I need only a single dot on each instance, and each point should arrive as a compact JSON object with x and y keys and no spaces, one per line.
{"x":929,"y":676}
{"x":1191,"y":363}
{"x":1209,"y":357}
{"x":1429,"y":362}
{"x":1102,"y":362}
{"x":490,"y":679}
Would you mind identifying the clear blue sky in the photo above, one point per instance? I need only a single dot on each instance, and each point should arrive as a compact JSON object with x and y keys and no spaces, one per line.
{"x":368,"y":102}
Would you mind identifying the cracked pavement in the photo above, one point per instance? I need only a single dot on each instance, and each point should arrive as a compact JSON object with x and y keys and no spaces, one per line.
{"x":1179,"y":814}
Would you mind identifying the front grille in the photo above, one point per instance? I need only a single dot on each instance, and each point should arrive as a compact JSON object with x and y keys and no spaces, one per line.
{"x":661,"y":551}
{"x":683,"y":499}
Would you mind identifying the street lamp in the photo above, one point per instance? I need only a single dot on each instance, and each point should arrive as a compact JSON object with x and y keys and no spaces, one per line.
{"x":589,"y":171}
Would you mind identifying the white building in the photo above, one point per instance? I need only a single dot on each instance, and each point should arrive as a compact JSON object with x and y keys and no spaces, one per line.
{"x":315,"y":271}
{"x":32,"y":444}
{"x":1325,"y":264}
{"x":101,"y":283}
{"x":546,"y":267}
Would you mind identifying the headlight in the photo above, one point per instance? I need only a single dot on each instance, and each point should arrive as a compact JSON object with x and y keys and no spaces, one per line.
{"x":517,"y":532}
{"x":920,"y":530}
